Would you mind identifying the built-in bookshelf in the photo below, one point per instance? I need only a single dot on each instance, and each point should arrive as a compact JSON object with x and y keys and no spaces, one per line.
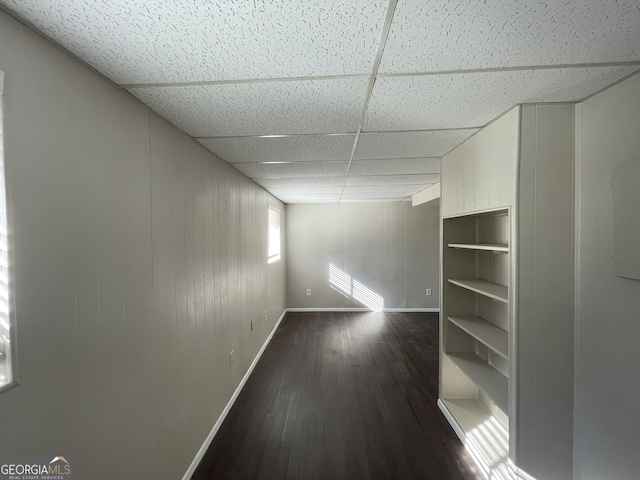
{"x":506,"y":292}
{"x":475,"y":320}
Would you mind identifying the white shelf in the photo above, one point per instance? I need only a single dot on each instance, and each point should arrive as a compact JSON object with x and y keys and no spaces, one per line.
{"x":481,"y":433}
{"x":468,"y":413}
{"x":490,"y":335}
{"x":492,"y":247}
{"x":490,"y":380}
{"x":488,"y":289}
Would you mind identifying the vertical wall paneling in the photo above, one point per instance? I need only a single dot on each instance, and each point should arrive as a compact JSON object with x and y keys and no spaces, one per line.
{"x":140,"y":259}
{"x":469,"y":148}
{"x":607,"y":429}
{"x":483,"y":172}
{"x":445,"y":179}
{"x":391,"y":248}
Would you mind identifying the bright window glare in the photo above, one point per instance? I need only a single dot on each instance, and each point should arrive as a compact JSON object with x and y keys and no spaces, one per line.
{"x":6,"y":374}
{"x":273,"y":238}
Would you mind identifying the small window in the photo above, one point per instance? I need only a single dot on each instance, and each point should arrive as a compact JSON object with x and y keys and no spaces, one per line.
{"x":6,"y":367}
{"x":273,"y":241}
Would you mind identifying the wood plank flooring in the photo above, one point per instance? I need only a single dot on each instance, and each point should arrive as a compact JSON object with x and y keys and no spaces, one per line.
{"x":341,"y":396}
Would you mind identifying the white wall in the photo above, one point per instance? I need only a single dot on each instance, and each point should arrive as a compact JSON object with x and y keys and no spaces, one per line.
{"x":607,"y":423}
{"x":140,"y":259}
{"x":393,"y":248}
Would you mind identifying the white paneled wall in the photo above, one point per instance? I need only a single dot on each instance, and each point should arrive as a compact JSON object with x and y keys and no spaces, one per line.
{"x":480,"y":173}
{"x":607,"y":424}
{"x":140,"y":259}
{"x":390,"y":247}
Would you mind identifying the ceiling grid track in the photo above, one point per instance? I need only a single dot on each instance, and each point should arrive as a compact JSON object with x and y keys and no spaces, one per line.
{"x":372,"y":80}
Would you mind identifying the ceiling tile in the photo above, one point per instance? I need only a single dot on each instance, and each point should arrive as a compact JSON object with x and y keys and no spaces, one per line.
{"x":409,"y":144}
{"x":442,"y":35}
{"x":299,"y":182}
{"x":395,"y":166}
{"x":137,"y":41}
{"x":303,"y":148}
{"x":474,"y":99}
{"x":268,"y":108}
{"x":422,"y":180}
{"x":294,"y":169}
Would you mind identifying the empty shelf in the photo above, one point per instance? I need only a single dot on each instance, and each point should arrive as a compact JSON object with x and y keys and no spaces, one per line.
{"x":490,"y":335}
{"x":488,"y":289}
{"x":493,"y":247}
{"x":490,"y":380}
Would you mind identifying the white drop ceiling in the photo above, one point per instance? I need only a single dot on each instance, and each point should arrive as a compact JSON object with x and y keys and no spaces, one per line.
{"x":343,"y":101}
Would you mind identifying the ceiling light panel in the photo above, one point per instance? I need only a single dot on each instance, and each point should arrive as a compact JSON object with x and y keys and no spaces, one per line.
{"x":299,"y":181}
{"x":304,"y":148}
{"x":474,"y":99}
{"x":310,"y":199}
{"x":423,"y":180}
{"x":442,"y":35}
{"x":386,"y":189}
{"x":312,"y":190}
{"x":270,"y":108}
{"x":142,"y":41}
{"x":409,"y":144}
{"x":395,"y":166}
{"x":380,"y":198}
{"x":295,"y":169}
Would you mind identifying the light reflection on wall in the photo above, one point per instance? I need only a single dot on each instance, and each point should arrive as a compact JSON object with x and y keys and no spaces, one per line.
{"x":343,"y":282}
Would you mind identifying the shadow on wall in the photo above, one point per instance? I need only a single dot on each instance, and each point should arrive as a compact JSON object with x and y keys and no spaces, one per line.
{"x":352,"y":288}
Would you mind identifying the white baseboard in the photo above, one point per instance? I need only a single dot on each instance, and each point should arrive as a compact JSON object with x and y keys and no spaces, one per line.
{"x":323,"y":309}
{"x":408,"y":310}
{"x":353,"y":309}
{"x":198,"y":458}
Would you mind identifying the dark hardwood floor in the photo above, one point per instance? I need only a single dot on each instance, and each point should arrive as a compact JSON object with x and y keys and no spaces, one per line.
{"x":341,"y":396}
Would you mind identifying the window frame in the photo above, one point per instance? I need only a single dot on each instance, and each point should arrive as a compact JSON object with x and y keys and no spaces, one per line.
{"x":274,"y":250}
{"x":9,"y":320}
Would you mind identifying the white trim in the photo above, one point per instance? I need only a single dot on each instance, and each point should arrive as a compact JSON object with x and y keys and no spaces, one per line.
{"x":354,"y":309}
{"x":205,"y":446}
{"x":329,"y":309}
{"x":452,"y":421}
{"x":429,"y":194}
{"x":409,"y":310}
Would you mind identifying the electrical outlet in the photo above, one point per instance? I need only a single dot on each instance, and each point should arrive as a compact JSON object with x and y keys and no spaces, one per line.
{"x":308,"y":292}
{"x":428,"y":291}
{"x":252,"y":322}
{"x":231,"y":358}
{"x":265,"y":315}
